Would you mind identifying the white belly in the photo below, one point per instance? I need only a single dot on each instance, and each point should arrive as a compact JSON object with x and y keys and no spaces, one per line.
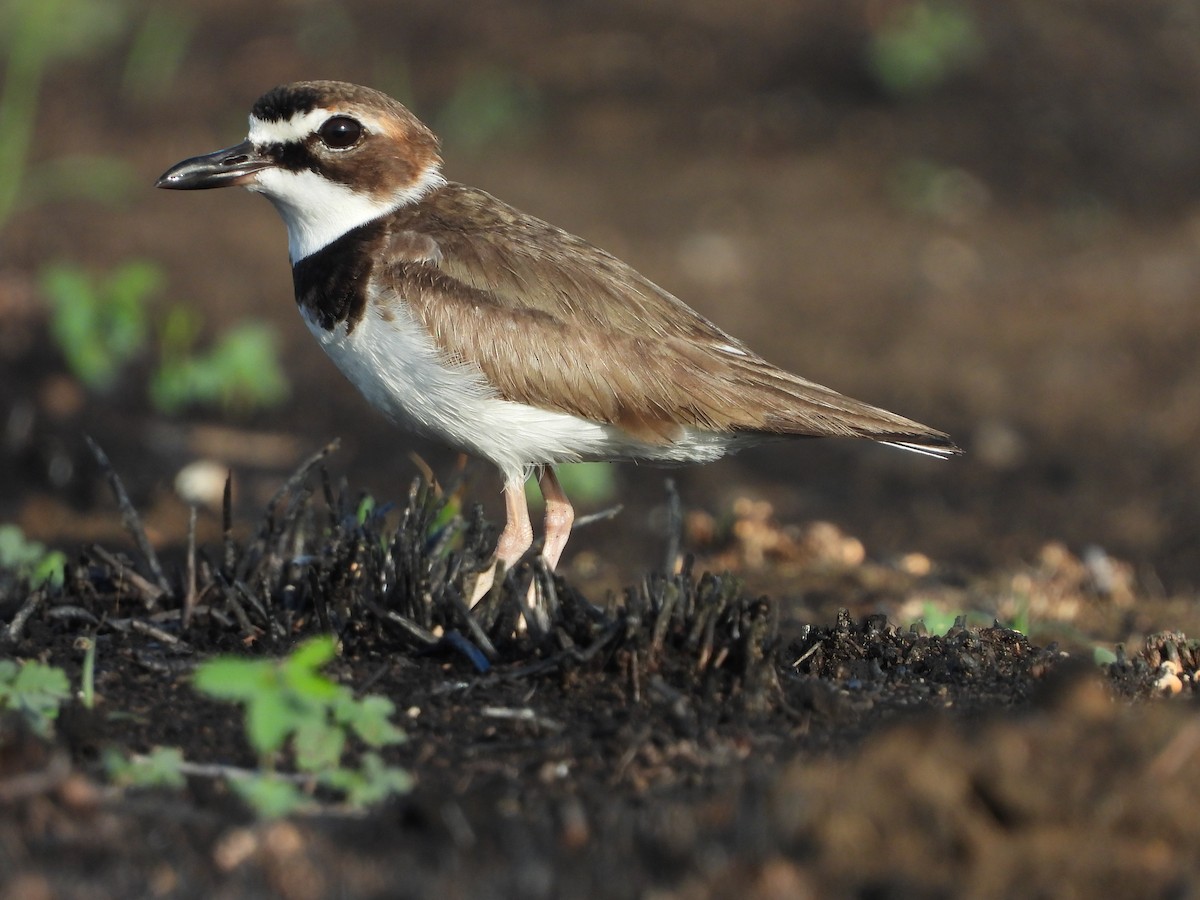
{"x":401,"y":373}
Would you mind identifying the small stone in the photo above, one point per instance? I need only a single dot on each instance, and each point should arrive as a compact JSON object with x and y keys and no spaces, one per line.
{"x":235,"y":848}
{"x":1168,"y":682}
{"x":202,"y":483}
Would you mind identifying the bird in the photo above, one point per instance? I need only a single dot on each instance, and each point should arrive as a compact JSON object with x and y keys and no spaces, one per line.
{"x":498,"y":334}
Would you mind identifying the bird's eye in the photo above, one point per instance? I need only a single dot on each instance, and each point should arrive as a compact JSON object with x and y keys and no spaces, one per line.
{"x":340,"y":133}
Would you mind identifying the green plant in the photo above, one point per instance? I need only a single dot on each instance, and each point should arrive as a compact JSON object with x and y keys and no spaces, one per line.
{"x":161,"y":767}
{"x":87,"y":678}
{"x":922,"y":44}
{"x":241,"y":372}
{"x":100,"y":323}
{"x":1022,"y":619}
{"x":366,"y":509}
{"x":289,"y":704}
{"x":936,"y":621}
{"x":939,"y":621}
{"x":34,"y":690}
{"x":1103,"y":656}
{"x":30,"y":559}
{"x":589,"y":482}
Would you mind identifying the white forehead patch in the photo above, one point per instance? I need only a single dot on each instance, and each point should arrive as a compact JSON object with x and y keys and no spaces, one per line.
{"x":297,"y":128}
{"x":318,"y":211}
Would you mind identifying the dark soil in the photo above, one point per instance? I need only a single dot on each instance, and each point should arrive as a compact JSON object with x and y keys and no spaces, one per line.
{"x":687,"y":739}
{"x":779,"y":729}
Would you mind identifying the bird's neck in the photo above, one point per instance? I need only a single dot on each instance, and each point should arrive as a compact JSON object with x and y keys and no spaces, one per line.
{"x":332,"y":282}
{"x":318,"y":212}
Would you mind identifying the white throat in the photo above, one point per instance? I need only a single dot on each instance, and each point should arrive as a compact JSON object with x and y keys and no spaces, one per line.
{"x":318,"y":211}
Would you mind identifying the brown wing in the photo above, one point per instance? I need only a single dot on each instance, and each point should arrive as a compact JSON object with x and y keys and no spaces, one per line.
{"x":554,"y":322}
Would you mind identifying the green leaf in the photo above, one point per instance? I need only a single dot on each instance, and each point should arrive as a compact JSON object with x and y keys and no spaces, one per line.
{"x":231,"y":678}
{"x":34,"y":690}
{"x":318,"y":746}
{"x":922,"y":44}
{"x":292,"y":699}
{"x":1103,"y":656}
{"x":312,"y":654}
{"x":246,"y":360}
{"x":298,"y":672}
{"x":100,"y":325}
{"x":50,"y":570}
{"x":241,"y":372}
{"x":42,"y":682}
{"x":371,"y":720}
{"x":373,"y":783}
{"x":177,"y":332}
{"x":310,"y":687}
{"x":270,"y":718}
{"x":8,"y":674}
{"x":158,"y":768}
{"x":29,"y":558}
{"x":366,"y":506}
{"x":15,"y":549}
{"x":270,"y":797}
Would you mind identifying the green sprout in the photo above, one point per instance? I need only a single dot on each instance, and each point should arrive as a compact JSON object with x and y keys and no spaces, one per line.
{"x":161,"y":767}
{"x":1103,"y":656}
{"x":289,"y":704}
{"x":241,"y":372}
{"x":87,"y":678}
{"x":922,"y":45}
{"x":103,"y":323}
{"x":30,"y":559}
{"x":936,"y":621}
{"x":35,"y":691}
{"x":366,"y":509}
{"x":100,"y":324}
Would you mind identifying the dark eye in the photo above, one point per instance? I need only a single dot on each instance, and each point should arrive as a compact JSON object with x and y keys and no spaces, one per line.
{"x":340,"y":132}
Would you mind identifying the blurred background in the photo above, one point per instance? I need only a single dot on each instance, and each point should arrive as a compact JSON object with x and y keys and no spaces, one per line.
{"x":984,"y":215}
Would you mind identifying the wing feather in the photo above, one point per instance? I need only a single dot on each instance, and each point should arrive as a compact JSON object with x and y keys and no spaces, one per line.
{"x":554,"y":322}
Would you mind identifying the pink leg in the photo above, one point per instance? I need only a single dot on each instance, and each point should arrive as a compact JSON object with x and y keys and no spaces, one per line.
{"x":514,"y":539}
{"x":559,"y":517}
